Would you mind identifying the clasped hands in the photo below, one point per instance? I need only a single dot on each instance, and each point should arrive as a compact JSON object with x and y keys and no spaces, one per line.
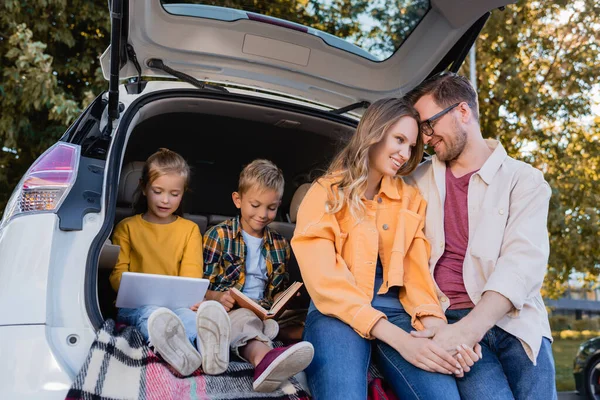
{"x":458,"y":340}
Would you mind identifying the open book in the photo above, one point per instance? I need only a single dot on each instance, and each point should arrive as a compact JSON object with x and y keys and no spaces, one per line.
{"x":278,"y":306}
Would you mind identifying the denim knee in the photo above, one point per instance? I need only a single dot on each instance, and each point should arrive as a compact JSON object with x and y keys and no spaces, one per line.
{"x":339,"y":367}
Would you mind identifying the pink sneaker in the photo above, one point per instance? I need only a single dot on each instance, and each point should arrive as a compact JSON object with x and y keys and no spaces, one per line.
{"x":280,"y":364}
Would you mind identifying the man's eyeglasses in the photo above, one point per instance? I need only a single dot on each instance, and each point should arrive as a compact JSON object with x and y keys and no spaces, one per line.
{"x":427,"y":125}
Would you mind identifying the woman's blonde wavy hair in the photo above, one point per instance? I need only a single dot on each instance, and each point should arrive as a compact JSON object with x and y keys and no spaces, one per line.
{"x":350,"y":167}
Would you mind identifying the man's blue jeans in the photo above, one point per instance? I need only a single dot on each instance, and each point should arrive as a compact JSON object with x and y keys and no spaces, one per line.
{"x":505,"y":371}
{"x":138,"y":317}
{"x":341,"y":361}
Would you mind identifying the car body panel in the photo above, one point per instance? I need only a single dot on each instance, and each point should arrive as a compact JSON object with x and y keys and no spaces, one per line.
{"x":29,"y":370}
{"x":278,"y":59}
{"x":25,"y":253}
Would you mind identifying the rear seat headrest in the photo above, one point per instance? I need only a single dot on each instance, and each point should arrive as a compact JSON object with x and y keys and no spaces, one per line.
{"x":297,"y":199}
{"x":130,"y":178}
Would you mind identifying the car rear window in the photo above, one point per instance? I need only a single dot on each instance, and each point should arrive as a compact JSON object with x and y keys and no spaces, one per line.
{"x":372,"y":29}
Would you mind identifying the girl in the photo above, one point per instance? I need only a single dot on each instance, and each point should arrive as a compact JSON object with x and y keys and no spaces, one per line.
{"x":363,"y":256}
{"x":158,"y":241}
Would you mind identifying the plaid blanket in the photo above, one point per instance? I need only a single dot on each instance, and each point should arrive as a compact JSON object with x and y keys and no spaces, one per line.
{"x":121,"y":366}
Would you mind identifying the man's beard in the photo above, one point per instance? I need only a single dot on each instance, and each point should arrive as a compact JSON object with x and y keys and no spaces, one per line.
{"x":455,"y":146}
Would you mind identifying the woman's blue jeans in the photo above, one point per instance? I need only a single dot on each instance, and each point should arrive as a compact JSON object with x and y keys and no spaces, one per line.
{"x":341,"y":361}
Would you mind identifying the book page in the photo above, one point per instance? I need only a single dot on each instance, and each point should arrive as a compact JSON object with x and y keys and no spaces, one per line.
{"x":246,"y":302}
{"x":284,"y":298}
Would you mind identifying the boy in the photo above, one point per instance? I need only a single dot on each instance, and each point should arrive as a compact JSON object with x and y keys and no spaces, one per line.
{"x":243,"y":252}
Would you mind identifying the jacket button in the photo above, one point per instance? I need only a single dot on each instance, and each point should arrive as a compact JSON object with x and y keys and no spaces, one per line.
{"x":501,"y":211}
{"x":379,"y":200}
{"x":385,"y":227}
{"x":444,"y":299}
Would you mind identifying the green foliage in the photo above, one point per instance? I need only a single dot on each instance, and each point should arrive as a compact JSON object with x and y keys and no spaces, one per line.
{"x":49,"y":71}
{"x":537,"y":68}
{"x":568,"y":322}
{"x":564,"y":352}
{"x":589,"y":324}
{"x":537,"y":71}
{"x":561,"y":322}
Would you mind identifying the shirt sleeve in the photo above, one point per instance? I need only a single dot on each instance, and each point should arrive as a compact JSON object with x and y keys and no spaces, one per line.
{"x":330,"y":283}
{"x":212,"y":254}
{"x":523,"y":260}
{"x":283,"y":274}
{"x":191,"y":262}
{"x":121,"y":239}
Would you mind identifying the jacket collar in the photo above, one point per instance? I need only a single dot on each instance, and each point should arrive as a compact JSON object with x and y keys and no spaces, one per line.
{"x":494,"y":161}
{"x":488,"y":169}
{"x":389,"y":187}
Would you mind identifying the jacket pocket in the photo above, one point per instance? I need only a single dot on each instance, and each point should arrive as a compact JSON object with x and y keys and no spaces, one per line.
{"x":407,"y":228}
{"x":489,"y":233}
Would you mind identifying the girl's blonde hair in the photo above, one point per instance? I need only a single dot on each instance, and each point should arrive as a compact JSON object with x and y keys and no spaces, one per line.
{"x":350,"y":167}
{"x":163,"y":162}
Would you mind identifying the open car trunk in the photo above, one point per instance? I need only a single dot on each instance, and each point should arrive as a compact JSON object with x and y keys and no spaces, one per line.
{"x":218,"y":138}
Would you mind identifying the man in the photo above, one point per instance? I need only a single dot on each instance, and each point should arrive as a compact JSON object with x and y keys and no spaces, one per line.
{"x":486,"y":221}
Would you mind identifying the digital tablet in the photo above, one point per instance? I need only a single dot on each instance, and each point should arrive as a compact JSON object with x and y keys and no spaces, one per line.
{"x":137,"y":290}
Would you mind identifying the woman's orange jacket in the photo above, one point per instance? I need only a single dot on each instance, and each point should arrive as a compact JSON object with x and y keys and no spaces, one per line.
{"x":337,"y":254}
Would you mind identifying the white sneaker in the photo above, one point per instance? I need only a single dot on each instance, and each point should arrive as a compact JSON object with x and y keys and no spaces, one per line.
{"x":167,"y":335}
{"x":214,"y":337}
{"x":270,"y":328}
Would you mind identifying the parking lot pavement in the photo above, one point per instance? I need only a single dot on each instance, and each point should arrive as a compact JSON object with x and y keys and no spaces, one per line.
{"x":569,"y":396}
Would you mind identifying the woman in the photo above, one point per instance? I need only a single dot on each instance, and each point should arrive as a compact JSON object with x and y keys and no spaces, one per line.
{"x":360,"y":246}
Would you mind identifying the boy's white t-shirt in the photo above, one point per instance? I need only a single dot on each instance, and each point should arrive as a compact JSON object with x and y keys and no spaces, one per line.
{"x":256,"y":267}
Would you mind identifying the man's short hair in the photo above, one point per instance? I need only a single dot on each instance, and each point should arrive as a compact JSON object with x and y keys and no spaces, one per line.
{"x":262,"y":174}
{"x":447,"y":88}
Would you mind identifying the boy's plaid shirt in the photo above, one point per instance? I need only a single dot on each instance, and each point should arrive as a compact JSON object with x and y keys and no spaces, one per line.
{"x":225,"y":259}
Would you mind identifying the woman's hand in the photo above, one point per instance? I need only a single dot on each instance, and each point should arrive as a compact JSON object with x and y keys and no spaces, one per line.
{"x":225,"y":298}
{"x":427,"y":355}
{"x":467,"y":357}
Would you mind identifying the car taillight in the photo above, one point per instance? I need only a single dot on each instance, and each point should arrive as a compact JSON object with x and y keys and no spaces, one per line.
{"x":46,"y":184}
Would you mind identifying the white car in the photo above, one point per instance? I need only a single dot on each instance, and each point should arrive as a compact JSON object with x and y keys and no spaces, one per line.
{"x":249,"y":86}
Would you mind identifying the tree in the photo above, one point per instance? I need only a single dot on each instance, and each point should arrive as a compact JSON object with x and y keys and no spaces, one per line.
{"x":50,"y":70}
{"x":537,"y":67}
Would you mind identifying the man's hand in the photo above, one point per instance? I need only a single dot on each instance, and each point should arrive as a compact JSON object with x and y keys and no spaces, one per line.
{"x":450,"y":336}
{"x":427,"y":355}
{"x":422,"y":353}
{"x":465,"y":355}
{"x":225,"y":298}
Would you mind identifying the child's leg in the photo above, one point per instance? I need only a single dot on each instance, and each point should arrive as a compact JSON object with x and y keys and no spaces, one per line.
{"x":246,"y":327}
{"x":188,"y":318}
{"x":214,"y":334}
{"x":272,"y":367}
{"x":168,"y":336}
{"x":137,"y":317}
{"x":254,"y":351}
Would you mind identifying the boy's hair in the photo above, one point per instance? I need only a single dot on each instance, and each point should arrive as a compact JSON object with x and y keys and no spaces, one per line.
{"x":163,"y":162}
{"x":263,"y":174}
{"x":447,"y":88}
